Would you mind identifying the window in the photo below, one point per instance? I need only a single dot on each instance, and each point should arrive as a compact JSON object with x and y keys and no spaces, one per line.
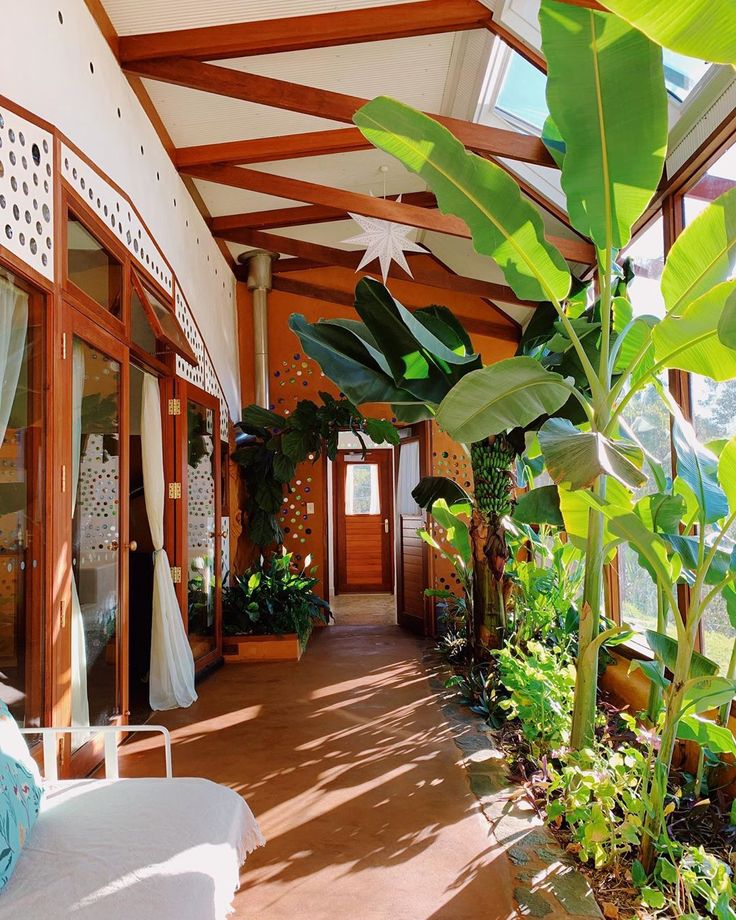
{"x":521,"y":99}
{"x":361,"y":489}
{"x":682,"y":74}
{"x":154,"y":324}
{"x":21,"y":501}
{"x":648,"y":418}
{"x":713,"y":403}
{"x":92,"y":268}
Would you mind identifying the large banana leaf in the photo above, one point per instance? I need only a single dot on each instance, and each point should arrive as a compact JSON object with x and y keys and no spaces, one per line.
{"x":456,"y":529}
{"x":698,"y":467}
{"x":509,"y":394}
{"x":503,"y":225}
{"x":665,"y":647}
{"x":575,"y":508}
{"x":412,"y":366}
{"x":606,"y":94}
{"x":661,"y":512}
{"x":578,"y":458}
{"x":716,"y":738}
{"x":347,"y":362}
{"x":432,"y":488}
{"x":704,"y":29}
{"x":649,"y":547}
{"x":703,"y":255}
{"x":727,"y":471}
{"x":691,"y":341}
{"x":539,"y":506}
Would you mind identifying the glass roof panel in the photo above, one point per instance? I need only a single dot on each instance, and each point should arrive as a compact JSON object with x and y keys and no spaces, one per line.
{"x":521,"y":99}
{"x":682,"y":74}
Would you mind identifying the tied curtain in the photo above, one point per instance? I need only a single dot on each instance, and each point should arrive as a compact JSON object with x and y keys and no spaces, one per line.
{"x":13,"y":329}
{"x":408,"y":478}
{"x":80,"y":699}
{"x":171,"y":681}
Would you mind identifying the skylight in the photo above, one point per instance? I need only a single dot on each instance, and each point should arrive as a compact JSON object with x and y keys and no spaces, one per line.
{"x":682,"y":74}
{"x":521,"y":99}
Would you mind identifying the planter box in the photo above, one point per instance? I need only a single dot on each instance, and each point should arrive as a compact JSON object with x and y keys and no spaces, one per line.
{"x":242,"y":649}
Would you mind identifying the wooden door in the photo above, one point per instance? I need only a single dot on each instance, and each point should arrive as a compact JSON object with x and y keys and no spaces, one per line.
{"x":411,"y":550}
{"x":97,"y":377}
{"x":363,"y":508}
{"x":200,"y":543}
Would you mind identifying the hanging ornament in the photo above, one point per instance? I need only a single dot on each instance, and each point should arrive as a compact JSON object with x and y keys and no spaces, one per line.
{"x":384,"y":240}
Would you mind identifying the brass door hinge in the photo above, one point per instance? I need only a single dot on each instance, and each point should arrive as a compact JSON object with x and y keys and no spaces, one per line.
{"x":62,"y":611}
{"x":61,"y":751}
{"x":174,"y":407}
{"x":176,"y":574}
{"x":63,"y":477}
{"x":174,"y":490}
{"x":63,"y":345}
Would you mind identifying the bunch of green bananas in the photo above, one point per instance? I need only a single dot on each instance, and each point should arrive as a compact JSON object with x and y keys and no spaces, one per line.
{"x":492,"y":462}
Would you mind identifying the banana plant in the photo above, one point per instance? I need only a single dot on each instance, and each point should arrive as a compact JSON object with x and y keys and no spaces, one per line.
{"x":608,"y":106}
{"x":700,"y":553}
{"x":412,"y":359}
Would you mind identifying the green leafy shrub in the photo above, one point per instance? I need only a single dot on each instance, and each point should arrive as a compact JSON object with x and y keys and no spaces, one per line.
{"x":598,"y":793}
{"x":540,"y":683}
{"x":273,"y":598}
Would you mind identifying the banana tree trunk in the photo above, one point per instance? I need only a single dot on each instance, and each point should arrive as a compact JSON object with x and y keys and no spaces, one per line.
{"x":494,"y":480}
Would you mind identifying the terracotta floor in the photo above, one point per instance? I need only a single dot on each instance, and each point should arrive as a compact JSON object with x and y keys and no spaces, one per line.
{"x":350,"y":769}
{"x":364,"y":609}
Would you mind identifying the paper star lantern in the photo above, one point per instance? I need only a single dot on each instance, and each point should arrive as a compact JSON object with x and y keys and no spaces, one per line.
{"x":384,"y":241}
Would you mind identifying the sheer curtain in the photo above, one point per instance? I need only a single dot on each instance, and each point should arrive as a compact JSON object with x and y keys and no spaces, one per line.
{"x":80,"y":699}
{"x":408,"y":478}
{"x":171,"y":682}
{"x":13,"y":329}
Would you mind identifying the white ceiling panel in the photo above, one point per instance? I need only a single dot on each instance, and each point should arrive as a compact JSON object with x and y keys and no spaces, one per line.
{"x":133,"y":16}
{"x":412,"y":69}
{"x":192,"y":117}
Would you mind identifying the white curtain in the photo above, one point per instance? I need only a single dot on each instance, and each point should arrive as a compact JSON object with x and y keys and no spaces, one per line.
{"x":374,"y":499}
{"x":408,"y":478}
{"x":80,"y":699}
{"x":13,"y":329}
{"x":171,"y":681}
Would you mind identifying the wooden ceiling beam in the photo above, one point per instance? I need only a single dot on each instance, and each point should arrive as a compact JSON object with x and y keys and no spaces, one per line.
{"x":329,"y":255}
{"x":321,"y":103}
{"x":302,"y":215}
{"x":472,"y":324}
{"x":297,"y":33}
{"x":347,"y":201}
{"x":269,"y":149}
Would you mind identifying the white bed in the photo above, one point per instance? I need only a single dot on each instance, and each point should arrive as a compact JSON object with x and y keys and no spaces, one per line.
{"x":132,"y":849}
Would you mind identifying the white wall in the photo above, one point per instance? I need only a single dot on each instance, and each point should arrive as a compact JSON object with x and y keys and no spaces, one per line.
{"x":45,"y":67}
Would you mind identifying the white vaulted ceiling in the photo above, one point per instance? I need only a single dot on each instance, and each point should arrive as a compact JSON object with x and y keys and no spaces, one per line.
{"x":440,"y":73}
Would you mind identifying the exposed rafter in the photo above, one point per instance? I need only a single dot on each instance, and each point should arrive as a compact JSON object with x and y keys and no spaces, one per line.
{"x":297,"y":33}
{"x":329,"y":255}
{"x":383,"y":209}
{"x":474,"y":325}
{"x":301,"y":215}
{"x":323,"y":103}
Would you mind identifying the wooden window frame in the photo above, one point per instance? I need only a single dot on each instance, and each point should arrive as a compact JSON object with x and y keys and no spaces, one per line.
{"x":187,"y":391}
{"x":143,"y":291}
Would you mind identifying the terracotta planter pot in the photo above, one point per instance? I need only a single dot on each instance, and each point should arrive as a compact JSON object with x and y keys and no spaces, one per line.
{"x":242,"y":649}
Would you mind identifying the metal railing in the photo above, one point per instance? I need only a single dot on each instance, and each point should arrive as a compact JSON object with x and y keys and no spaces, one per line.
{"x":109,"y":733}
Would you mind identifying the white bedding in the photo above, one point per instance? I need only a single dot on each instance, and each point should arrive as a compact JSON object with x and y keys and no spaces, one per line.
{"x":132,"y":849}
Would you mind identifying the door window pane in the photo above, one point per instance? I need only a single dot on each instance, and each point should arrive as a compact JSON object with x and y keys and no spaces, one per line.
{"x":92,"y":268}
{"x":201,"y":516}
{"x":95,"y":532}
{"x":21,"y":502}
{"x":361,"y":489}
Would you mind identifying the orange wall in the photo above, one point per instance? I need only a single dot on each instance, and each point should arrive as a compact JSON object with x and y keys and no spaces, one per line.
{"x":293,"y":376}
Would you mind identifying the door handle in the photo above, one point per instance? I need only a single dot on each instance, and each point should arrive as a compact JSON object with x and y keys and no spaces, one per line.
{"x":385,"y":525}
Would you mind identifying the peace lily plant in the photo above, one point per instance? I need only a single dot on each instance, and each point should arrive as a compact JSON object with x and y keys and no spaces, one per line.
{"x":608,"y":113}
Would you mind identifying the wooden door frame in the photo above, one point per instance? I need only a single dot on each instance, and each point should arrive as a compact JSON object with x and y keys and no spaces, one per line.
{"x":188,"y":391}
{"x":386,"y":484}
{"x":420,"y":438}
{"x":78,"y":323}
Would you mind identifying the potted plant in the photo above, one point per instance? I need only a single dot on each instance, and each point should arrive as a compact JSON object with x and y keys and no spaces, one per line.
{"x":270,"y":610}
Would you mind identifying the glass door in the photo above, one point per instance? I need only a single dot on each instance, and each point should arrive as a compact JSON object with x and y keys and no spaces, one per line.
{"x":201,"y":494}
{"x":22,"y":499}
{"x":99,"y":386}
